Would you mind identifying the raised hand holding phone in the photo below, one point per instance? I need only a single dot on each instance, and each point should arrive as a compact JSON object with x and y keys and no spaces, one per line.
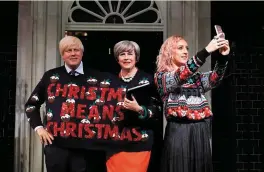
{"x":215,"y":44}
{"x":224,"y":48}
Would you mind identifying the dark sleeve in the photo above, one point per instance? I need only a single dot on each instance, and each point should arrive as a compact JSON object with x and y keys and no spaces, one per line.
{"x":213,"y":78}
{"x":168,"y":81}
{"x":33,"y":104}
{"x":153,"y":109}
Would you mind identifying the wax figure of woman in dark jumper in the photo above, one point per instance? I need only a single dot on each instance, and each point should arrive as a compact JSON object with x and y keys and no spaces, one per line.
{"x":138,"y":112}
{"x":182,"y":89}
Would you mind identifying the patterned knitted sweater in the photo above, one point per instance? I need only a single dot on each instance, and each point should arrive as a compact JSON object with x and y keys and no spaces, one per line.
{"x":85,"y":111}
{"x":183,"y":91}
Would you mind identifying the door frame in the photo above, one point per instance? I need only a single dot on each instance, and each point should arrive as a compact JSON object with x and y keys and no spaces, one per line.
{"x":73,"y":26}
{"x":164,"y":10}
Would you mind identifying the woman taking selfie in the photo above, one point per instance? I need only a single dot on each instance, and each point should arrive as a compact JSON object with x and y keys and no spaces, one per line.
{"x":182,"y":89}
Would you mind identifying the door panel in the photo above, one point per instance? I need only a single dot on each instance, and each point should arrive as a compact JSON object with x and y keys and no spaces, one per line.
{"x":98,"y":49}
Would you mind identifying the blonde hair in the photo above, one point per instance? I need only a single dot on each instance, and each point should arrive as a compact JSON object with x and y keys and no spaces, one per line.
{"x":165,"y":58}
{"x":69,"y":42}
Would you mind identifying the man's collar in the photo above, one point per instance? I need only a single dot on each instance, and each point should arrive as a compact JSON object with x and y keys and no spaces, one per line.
{"x":79,"y":68}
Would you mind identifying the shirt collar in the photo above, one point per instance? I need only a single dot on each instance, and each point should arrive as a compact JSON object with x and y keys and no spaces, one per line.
{"x":79,"y":68}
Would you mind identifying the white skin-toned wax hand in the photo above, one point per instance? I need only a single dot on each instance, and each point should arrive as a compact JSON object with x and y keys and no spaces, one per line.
{"x":44,"y":136}
{"x":132,"y":104}
{"x":218,"y":43}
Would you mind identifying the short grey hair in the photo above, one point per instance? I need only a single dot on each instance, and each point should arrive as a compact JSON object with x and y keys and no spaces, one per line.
{"x":124,"y":46}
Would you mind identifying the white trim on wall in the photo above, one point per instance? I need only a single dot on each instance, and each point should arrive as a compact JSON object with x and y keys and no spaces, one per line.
{"x":81,"y":26}
{"x":157,"y":25}
{"x":113,"y":27}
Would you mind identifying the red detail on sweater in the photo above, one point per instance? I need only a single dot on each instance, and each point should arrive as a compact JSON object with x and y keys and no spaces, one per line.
{"x":67,"y":109}
{"x":73,"y":92}
{"x":99,"y":130}
{"x":48,"y":127}
{"x":115,"y":94}
{"x":61,"y":90}
{"x":92,"y":95}
{"x":126,"y":134}
{"x":59,"y":129}
{"x":82,"y":94}
{"x":70,"y":129}
{"x":184,"y":111}
{"x":80,"y":129}
{"x":80,"y":111}
{"x":184,"y":74}
{"x":104,"y":131}
{"x":213,"y":77}
{"x":49,"y":90}
{"x":207,"y":113}
{"x":64,"y":109}
{"x":89,"y":131}
{"x":120,"y":113}
{"x":108,"y":113}
{"x":138,"y":134}
{"x":93,"y":112}
{"x":71,"y":107}
{"x":103,"y":93}
{"x":110,"y":132}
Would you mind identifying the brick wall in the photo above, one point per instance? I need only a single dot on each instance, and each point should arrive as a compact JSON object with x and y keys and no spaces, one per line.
{"x":249,"y":104}
{"x":238,"y":107}
{"x":238,"y":102}
{"x":8,"y":49}
{"x":223,"y":107}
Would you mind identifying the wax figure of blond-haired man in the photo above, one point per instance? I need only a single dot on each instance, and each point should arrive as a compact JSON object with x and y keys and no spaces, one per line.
{"x":61,"y":155}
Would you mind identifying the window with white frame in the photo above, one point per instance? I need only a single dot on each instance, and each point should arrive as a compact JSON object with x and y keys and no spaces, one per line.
{"x":114,"y":12}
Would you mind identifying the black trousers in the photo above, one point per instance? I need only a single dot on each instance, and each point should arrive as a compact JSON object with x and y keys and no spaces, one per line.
{"x":59,"y":159}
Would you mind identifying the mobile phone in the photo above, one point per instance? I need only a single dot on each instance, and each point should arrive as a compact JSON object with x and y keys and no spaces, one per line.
{"x":218,"y":30}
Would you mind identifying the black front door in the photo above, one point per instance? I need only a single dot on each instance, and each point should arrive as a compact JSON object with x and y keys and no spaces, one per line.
{"x":8,"y":69}
{"x":98,"y":48}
